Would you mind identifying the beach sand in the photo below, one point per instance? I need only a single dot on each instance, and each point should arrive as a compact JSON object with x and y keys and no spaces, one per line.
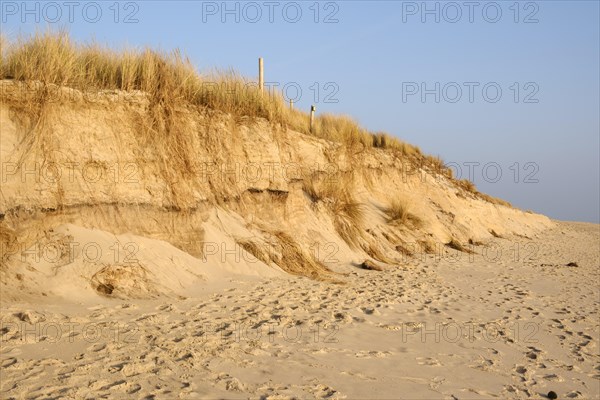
{"x":512,"y":320}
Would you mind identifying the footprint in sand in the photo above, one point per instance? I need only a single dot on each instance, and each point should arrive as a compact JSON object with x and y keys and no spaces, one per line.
{"x":428,"y":361}
{"x":521,"y":369}
{"x":553,"y":378}
{"x":9,"y":362}
{"x":321,"y":391}
{"x":532,"y":355}
{"x":98,"y":347}
{"x":133,"y":388}
{"x":376,"y":354}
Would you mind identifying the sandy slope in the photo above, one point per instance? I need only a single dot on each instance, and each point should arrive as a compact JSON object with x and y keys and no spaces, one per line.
{"x":500,"y":323}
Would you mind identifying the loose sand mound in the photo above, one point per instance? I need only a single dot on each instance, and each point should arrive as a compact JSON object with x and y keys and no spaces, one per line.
{"x":78,"y":264}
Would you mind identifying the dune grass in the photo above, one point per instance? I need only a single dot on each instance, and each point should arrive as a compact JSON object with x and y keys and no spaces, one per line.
{"x":296,"y":261}
{"x":170,"y":81}
{"x":398,"y":213}
{"x":335,"y":193}
{"x":257,"y":250}
{"x":168,"y":78}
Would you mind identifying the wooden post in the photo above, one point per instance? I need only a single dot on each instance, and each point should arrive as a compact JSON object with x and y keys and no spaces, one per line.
{"x":261,"y":75}
{"x":291,"y":104}
{"x":312,"y":117}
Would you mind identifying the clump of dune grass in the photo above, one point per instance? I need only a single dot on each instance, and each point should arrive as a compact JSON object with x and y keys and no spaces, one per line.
{"x":375,"y":252}
{"x":335,"y":193}
{"x":8,"y":243}
{"x":398,"y":213}
{"x":438,"y":166}
{"x":296,"y":261}
{"x":311,"y":186}
{"x":427,"y":246}
{"x":494,"y":200}
{"x":470,"y":187}
{"x":348,"y":218}
{"x":260,"y":252}
{"x":495,"y":234}
{"x":403,"y":249}
{"x":286,"y":253}
{"x":466,"y":185}
{"x":456,"y":245}
{"x":341,"y":129}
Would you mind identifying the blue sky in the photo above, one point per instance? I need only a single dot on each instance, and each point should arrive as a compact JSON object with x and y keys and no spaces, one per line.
{"x":373,"y":59}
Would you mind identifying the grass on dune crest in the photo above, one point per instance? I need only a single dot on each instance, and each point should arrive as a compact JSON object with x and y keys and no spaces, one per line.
{"x":170,"y":80}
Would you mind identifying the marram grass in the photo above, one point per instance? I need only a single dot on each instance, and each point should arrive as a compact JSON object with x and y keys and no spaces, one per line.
{"x":170,"y":79}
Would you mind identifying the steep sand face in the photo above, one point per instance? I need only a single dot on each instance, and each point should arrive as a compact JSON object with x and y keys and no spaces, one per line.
{"x":98,"y":163}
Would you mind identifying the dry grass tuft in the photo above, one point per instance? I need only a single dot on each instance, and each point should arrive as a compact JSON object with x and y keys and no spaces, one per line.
{"x":495,"y":234}
{"x":405,"y":251}
{"x":335,"y":193}
{"x":342,"y":129}
{"x":466,"y":185}
{"x":8,"y":243}
{"x":260,"y":252}
{"x":375,"y":252}
{"x":348,"y":219}
{"x":456,"y":245}
{"x":427,"y":246}
{"x":296,"y":261}
{"x":313,"y":188}
{"x":469,"y":187}
{"x":398,"y":213}
{"x":286,"y":253}
{"x":438,"y":166}
{"x":494,"y":200}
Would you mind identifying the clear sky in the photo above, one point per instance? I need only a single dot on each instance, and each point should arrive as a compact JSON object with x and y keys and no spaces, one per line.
{"x":509,"y":86}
